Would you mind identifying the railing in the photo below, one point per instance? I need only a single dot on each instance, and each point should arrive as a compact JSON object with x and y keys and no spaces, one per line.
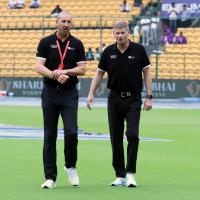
{"x":164,"y":66}
{"x":175,"y":65}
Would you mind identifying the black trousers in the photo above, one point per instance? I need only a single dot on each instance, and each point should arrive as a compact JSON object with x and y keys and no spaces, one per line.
{"x":57,"y":102}
{"x":121,"y":109}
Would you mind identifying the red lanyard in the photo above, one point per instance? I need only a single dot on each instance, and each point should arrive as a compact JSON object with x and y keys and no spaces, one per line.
{"x":62,"y":57}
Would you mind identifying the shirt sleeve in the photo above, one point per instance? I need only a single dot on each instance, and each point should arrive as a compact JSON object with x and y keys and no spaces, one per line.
{"x":145,"y":62}
{"x":81,"y":53}
{"x":42,"y":49}
{"x":103,"y":65}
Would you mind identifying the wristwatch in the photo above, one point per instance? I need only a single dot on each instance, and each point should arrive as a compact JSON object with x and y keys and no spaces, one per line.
{"x":149,"y":96}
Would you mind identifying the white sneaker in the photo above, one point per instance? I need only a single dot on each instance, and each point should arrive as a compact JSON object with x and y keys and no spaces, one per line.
{"x":73,"y":176}
{"x":118,"y":182}
{"x":48,"y":184}
{"x":130,"y":180}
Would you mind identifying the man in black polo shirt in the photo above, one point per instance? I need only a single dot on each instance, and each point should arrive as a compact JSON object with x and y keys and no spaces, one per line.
{"x":60,"y":59}
{"x":124,"y":62}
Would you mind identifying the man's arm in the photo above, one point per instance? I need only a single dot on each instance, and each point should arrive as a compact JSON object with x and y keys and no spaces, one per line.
{"x":79,"y":70}
{"x":94,"y":85}
{"x":41,"y":69}
{"x":148,"y":86}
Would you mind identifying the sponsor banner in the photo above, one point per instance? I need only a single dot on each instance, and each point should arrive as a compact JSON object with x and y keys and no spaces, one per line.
{"x":21,"y":87}
{"x":193,"y":6}
{"x":162,"y":89}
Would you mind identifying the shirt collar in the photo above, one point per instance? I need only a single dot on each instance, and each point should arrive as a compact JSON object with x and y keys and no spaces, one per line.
{"x":56,"y":38}
{"x":129,"y":46}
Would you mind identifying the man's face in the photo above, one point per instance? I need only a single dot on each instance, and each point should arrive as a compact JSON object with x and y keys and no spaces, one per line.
{"x":121,"y":35}
{"x":64,"y":24}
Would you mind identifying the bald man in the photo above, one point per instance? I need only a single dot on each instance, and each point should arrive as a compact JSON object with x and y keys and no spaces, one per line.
{"x":60,"y":58}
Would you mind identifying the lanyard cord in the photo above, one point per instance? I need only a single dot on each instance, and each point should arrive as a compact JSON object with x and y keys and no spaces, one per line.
{"x":62,"y":57}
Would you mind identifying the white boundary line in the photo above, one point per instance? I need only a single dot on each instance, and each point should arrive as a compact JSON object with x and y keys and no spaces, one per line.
{"x":20,"y":132}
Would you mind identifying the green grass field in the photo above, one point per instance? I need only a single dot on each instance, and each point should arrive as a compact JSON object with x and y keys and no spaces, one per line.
{"x":166,"y":170}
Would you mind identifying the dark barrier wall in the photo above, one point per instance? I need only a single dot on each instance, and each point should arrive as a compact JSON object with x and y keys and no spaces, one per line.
{"x":162,"y":89}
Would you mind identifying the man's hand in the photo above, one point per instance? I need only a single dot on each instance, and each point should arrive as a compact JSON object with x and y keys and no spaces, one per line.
{"x":62,"y":78}
{"x":90,"y":101}
{"x":56,"y":73}
{"x":147,"y":104}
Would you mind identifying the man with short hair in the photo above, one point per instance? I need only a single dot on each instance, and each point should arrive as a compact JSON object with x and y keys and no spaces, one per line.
{"x":185,"y":17}
{"x":181,"y":39}
{"x":56,"y":11}
{"x":173,"y":16}
{"x":124,"y":7}
{"x":60,"y":59}
{"x":35,"y":4}
{"x":124,"y":62}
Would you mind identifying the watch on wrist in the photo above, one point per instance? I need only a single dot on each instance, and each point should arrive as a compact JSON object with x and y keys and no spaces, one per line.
{"x":149,"y":96}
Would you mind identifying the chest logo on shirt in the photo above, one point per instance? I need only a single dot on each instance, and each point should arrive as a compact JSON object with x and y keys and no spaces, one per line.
{"x":53,"y":46}
{"x":113,"y":56}
{"x":131,"y":57}
{"x":71,"y":48}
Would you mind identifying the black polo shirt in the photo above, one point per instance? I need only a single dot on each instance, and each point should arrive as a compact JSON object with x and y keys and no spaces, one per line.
{"x":124,"y":69}
{"x":48,"y":50}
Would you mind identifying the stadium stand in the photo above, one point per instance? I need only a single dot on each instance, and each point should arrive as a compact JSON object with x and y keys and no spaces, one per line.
{"x":21,"y":29}
{"x":180,"y":61}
